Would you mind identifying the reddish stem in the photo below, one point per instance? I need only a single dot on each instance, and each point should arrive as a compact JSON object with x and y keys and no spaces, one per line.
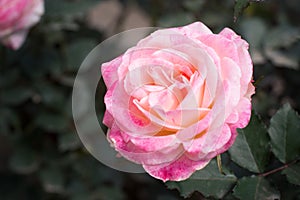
{"x":278,"y":169}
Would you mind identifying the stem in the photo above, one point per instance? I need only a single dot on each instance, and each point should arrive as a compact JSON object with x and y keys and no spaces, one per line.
{"x":219,"y":162}
{"x":278,"y":169}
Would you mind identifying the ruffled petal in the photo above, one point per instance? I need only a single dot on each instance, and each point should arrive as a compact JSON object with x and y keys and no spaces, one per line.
{"x":109,"y":71}
{"x":245,"y":61}
{"x":194,"y":30}
{"x":15,"y":40}
{"x":209,"y":144}
{"x":177,"y":170}
{"x":122,"y":143}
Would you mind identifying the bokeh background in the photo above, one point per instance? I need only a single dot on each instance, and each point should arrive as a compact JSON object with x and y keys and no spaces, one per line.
{"x":41,"y":156}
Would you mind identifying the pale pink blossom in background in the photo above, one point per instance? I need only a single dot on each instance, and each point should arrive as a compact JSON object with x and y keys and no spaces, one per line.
{"x":175,"y":100}
{"x":16,"y":18}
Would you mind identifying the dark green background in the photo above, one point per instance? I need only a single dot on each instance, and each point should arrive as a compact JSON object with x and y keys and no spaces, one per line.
{"x":41,"y":156}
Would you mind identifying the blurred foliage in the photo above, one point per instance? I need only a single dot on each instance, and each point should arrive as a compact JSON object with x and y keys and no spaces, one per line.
{"x":41,"y":156}
{"x":210,"y":182}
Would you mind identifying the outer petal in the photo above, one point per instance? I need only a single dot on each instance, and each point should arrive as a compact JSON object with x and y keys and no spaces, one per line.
{"x":194,"y":30}
{"x":164,"y":154}
{"x":178,"y":170}
{"x":231,"y":82}
{"x":32,"y":14}
{"x":242,"y":114}
{"x":210,"y":144}
{"x":109,"y":71}
{"x":222,"y":46}
{"x":10,"y":12}
{"x":245,"y":61}
{"x":154,"y":143}
{"x":108,"y":119}
{"x":15,"y":40}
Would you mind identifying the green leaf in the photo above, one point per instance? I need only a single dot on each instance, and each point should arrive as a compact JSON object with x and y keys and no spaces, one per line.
{"x":77,"y":189}
{"x":24,"y":161}
{"x":9,"y":77}
{"x":282,"y":45}
{"x":50,"y":94}
{"x":77,"y":51}
{"x":193,"y":5}
{"x":254,"y":30}
{"x":108,"y":193}
{"x":176,"y":19}
{"x":289,"y":191}
{"x":64,"y":7}
{"x":8,"y":119}
{"x":68,"y":141}
{"x":209,"y":181}
{"x":52,"y":179}
{"x":293,"y":173}
{"x":284,"y":132}
{"x":251,"y":149}
{"x":51,"y":122}
{"x":255,"y":188}
{"x":16,"y":96}
{"x":239,"y":6}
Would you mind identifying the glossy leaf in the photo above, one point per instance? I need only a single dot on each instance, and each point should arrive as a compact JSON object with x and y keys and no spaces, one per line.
{"x":284,"y":132}
{"x":293,"y":173}
{"x":209,"y":181}
{"x":250,"y":149}
{"x":255,"y":188}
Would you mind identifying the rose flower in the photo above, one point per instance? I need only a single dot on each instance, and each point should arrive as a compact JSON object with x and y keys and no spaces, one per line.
{"x":16,"y":17}
{"x":175,"y":100}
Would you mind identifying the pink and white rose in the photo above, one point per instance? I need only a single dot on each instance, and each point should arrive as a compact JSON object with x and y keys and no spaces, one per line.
{"x":16,"y":17}
{"x":175,"y":100}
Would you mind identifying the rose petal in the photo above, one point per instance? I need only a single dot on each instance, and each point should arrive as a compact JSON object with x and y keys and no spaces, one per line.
{"x":126,"y":114}
{"x":231,"y":74}
{"x":109,"y":71}
{"x":183,"y":117}
{"x":139,"y":155}
{"x":243,"y":111}
{"x":15,"y":40}
{"x":245,"y":61}
{"x":155,"y":118}
{"x":194,"y":30}
{"x":108,"y":119}
{"x":208,"y":144}
{"x":221,"y":45}
{"x":177,"y":170}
